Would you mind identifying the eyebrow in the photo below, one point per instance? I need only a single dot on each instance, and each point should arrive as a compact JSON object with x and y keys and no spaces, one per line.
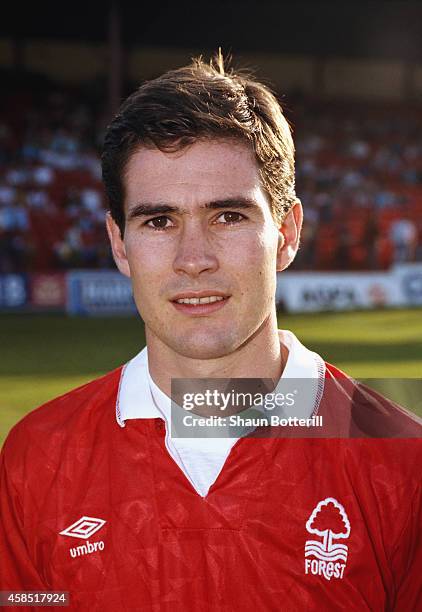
{"x":146,"y":209}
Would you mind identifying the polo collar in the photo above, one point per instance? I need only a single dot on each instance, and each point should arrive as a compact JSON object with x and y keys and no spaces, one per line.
{"x":135,"y":400}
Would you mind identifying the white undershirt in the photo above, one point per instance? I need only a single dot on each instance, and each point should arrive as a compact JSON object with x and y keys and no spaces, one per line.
{"x":202,"y":459}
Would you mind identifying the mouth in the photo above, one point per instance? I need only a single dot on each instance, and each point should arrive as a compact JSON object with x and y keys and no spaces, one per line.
{"x":202,"y":303}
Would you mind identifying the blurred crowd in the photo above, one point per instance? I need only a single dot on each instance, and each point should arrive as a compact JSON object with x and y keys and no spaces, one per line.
{"x":359,"y":176}
{"x":51,"y":199}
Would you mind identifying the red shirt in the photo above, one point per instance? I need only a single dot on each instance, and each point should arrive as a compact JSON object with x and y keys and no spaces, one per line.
{"x":290,"y":524}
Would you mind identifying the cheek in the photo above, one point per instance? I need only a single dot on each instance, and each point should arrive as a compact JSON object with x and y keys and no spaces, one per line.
{"x":253,"y":265}
{"x":254,"y":255}
{"x":148,"y":269}
{"x":147,"y":259}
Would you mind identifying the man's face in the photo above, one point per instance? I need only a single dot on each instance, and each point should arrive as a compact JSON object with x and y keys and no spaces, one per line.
{"x":199,"y":229}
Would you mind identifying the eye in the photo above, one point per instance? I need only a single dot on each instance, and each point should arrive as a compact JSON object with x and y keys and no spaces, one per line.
{"x":230,"y":217}
{"x":159,"y":223}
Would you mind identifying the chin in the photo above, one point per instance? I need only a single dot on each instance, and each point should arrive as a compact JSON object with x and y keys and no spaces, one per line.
{"x":204,"y":346}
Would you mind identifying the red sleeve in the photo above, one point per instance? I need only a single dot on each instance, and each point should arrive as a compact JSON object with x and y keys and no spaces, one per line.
{"x":406,"y":563}
{"x":17,"y":570}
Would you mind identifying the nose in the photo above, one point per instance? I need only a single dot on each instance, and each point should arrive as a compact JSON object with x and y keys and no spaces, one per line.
{"x":195,"y":253}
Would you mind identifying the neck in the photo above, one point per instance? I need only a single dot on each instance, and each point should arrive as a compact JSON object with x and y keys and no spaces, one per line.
{"x":260,"y":356}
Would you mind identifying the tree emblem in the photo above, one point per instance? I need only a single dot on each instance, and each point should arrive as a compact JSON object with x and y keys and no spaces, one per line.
{"x":329,"y":520}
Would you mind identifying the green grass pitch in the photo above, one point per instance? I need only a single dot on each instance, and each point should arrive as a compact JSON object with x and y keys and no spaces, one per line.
{"x":43,"y":356}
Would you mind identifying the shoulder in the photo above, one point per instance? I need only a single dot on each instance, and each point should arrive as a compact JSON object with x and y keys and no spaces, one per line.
{"x":378,"y":450}
{"x":378,"y":441}
{"x":366,"y":413}
{"x":66,"y":416}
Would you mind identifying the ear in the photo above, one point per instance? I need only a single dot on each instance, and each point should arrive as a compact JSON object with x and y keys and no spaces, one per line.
{"x":289,"y":236}
{"x":117,"y":245}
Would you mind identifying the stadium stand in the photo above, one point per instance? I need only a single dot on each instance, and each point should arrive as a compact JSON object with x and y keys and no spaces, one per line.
{"x":51,"y":201}
{"x":359,"y":175}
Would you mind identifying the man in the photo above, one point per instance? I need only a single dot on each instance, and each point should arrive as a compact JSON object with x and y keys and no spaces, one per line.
{"x":97,"y":498}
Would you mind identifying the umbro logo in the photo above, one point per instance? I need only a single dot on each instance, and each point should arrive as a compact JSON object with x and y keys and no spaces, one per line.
{"x":84,"y":528}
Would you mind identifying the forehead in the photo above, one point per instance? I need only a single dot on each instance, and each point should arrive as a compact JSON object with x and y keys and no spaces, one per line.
{"x":207,"y":169}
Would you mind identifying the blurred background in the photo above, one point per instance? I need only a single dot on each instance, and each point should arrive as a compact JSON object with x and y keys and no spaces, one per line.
{"x":349,"y":77}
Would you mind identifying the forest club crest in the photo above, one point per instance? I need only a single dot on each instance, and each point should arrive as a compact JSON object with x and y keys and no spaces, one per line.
{"x":328,"y":557}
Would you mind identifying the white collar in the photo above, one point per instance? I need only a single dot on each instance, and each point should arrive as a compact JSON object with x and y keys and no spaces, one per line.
{"x":135,"y":401}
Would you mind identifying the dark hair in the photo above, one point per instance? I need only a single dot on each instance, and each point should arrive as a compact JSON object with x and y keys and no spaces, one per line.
{"x":201,"y":101}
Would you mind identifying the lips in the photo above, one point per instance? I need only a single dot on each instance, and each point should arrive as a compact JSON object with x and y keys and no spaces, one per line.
{"x":199,"y":302}
{"x":202,"y":300}
{"x":212,"y":295}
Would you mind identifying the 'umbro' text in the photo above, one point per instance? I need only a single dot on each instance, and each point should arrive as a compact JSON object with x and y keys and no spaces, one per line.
{"x":86,"y":549}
